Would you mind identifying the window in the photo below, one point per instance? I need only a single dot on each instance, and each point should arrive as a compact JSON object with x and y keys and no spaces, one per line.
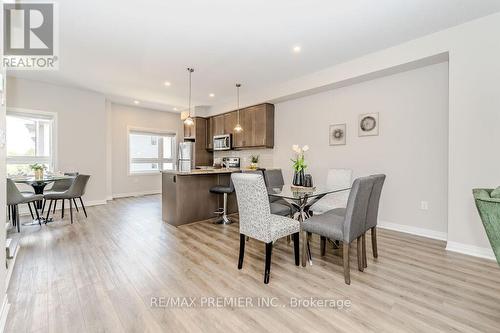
{"x":151,"y":152}
{"x":29,"y":141}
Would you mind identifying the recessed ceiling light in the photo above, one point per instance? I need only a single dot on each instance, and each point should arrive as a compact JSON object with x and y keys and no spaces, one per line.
{"x":296,"y":49}
{"x":175,"y":109}
{"x":166,"y":84}
{"x":211,"y":95}
{"x":136,"y":102}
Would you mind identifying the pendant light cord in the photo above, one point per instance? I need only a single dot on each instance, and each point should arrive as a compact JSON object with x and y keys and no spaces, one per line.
{"x":238,"y":85}
{"x":190,"y":70}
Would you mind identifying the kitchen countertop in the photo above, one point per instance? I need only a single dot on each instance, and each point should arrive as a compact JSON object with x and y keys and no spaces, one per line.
{"x":207,"y":171}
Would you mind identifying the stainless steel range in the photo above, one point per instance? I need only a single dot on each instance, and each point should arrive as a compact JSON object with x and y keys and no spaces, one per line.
{"x":231,"y":162}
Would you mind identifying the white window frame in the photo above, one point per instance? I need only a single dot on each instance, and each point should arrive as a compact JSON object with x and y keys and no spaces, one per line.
{"x":50,"y":160}
{"x":160,"y":160}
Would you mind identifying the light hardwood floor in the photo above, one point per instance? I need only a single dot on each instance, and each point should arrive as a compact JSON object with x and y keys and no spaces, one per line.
{"x":99,"y":274}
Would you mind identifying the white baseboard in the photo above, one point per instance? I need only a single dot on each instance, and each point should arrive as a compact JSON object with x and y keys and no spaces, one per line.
{"x":93,"y":203}
{"x":471,"y":250}
{"x":413,"y":230}
{"x":467,"y":249}
{"x":4,"y":313}
{"x":135,"y":194}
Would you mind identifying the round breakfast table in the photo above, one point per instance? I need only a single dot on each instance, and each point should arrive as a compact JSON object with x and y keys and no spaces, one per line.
{"x":38,"y":185}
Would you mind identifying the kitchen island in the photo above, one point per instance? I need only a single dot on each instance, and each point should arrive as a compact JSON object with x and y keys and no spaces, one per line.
{"x":186,"y":196}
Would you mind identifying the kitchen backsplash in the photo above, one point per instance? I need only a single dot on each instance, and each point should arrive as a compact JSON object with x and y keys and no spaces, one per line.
{"x":265,"y":156}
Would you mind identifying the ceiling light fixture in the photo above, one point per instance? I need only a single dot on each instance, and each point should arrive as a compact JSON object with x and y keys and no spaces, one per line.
{"x":211,"y":95}
{"x":175,"y":109}
{"x":238,"y":127}
{"x":296,"y":49}
{"x":189,"y":121}
{"x":136,"y":102}
{"x":167,"y":84}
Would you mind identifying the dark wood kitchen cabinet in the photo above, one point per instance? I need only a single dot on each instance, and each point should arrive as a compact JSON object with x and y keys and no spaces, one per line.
{"x":218,"y":125}
{"x":257,"y":123}
{"x":197,"y":133}
{"x":230,"y":120}
{"x":210,"y":135}
{"x":258,"y":127}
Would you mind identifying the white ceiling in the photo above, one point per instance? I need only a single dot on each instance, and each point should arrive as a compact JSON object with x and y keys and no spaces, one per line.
{"x":127,"y":49}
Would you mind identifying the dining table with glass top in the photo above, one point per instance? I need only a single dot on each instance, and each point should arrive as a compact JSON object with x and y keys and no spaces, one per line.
{"x":302,"y":198}
{"x":38,"y":185}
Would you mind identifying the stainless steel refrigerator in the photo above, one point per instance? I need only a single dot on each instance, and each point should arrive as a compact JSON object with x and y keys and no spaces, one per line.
{"x":186,"y":156}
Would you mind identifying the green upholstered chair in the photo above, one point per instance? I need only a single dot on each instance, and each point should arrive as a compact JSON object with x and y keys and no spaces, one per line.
{"x":489,"y":210}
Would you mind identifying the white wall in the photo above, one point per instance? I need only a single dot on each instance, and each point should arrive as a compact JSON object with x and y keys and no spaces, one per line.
{"x":411,"y":149}
{"x":474,"y":112}
{"x":81,"y":127}
{"x":123,"y":117}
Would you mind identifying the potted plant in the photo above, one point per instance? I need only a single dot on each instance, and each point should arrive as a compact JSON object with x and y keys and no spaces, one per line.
{"x":299,"y":165}
{"x":38,"y":170}
{"x":254,"y":159}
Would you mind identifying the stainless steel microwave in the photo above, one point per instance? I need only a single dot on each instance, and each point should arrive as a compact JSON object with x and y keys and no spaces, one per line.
{"x":222,"y":142}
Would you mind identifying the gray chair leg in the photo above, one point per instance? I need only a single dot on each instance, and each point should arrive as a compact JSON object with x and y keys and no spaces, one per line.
{"x":62,"y":209}
{"x":76,"y":206}
{"x":374,"y":242}
{"x":83,"y":206}
{"x":43,"y":205}
{"x":323,"y":245}
{"x":365,"y":263}
{"x":31,"y":211}
{"x":55,"y":204}
{"x":359,"y":254}
{"x":18,"y":223}
{"x":71,"y":210}
{"x":345,"y":257}
{"x":48,"y":211}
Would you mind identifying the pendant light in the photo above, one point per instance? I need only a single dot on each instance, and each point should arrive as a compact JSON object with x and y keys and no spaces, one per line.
{"x":189,"y":121}
{"x":238,"y":127}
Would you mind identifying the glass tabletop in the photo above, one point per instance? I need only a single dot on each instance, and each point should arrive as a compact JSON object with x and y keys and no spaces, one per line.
{"x":32,"y":179}
{"x":294,"y":193}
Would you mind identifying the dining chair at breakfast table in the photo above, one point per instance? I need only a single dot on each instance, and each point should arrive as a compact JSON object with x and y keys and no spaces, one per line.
{"x":39,"y":186}
{"x":302,"y":199}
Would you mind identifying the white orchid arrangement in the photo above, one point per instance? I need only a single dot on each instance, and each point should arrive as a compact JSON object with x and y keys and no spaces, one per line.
{"x":299,"y":163}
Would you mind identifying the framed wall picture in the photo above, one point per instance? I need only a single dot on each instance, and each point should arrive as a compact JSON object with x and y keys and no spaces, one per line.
{"x":337,"y":134}
{"x":368,"y":124}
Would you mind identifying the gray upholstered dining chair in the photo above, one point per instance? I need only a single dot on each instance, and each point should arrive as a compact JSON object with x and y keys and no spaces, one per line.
{"x":16,"y":198}
{"x":256,"y":220}
{"x":347,"y":224}
{"x":58,"y":186}
{"x":75,"y":191}
{"x":272,"y":179}
{"x":372,"y":215}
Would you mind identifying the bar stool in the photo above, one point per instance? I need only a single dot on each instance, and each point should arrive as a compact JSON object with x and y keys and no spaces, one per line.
{"x":225,"y":190}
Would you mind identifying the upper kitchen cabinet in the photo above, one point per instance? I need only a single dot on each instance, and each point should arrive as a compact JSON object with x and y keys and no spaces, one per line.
{"x":197,"y":133}
{"x":230,"y":120}
{"x":210,"y":135}
{"x":257,"y":123}
{"x":258,"y":127}
{"x":218,"y":125}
